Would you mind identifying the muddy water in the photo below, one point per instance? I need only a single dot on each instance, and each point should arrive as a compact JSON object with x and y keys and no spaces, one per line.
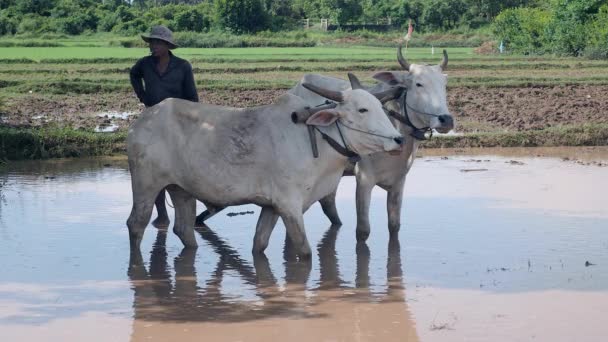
{"x":496,"y":245}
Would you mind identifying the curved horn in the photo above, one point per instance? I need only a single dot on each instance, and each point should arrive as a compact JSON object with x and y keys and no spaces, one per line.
{"x":444,"y":63}
{"x":328,"y":94}
{"x":388,"y":95}
{"x":404,"y":64}
{"x":354,"y":81}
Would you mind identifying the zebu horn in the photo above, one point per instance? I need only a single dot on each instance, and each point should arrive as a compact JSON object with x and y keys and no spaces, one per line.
{"x":388,"y":95}
{"x":444,"y":63}
{"x":300,"y":116}
{"x":328,"y":94}
{"x":404,"y":64}
{"x":354,"y":81}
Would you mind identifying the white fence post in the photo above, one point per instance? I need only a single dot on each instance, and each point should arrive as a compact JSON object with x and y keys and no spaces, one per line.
{"x":324,"y":24}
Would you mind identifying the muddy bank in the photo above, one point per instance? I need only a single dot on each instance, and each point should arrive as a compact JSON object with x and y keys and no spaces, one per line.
{"x":475,"y":109}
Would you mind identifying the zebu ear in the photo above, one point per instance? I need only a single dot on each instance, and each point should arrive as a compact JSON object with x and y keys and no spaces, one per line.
{"x":323,"y":118}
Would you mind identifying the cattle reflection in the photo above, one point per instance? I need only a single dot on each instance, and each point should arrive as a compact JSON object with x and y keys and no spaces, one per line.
{"x":180,"y":307}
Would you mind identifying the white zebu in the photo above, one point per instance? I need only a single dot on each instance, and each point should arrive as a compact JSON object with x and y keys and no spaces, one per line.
{"x":422,"y":106}
{"x":229,"y":156}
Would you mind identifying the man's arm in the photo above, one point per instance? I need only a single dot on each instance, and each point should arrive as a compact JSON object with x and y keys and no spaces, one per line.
{"x":136,"y":74}
{"x":190,"y":93}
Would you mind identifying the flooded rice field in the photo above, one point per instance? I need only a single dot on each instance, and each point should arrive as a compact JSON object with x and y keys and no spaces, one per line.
{"x":495,"y":245}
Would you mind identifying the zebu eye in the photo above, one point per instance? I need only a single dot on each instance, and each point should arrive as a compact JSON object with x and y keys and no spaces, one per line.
{"x":418,"y":85}
{"x":362,"y":110}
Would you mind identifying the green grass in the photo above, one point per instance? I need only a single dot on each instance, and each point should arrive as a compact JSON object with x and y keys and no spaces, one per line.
{"x":244,"y":54}
{"x":89,"y":70}
{"x":18,"y":144}
{"x":581,"y":135}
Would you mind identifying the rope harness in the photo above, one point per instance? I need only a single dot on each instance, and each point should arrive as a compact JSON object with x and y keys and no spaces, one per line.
{"x":345,"y":150}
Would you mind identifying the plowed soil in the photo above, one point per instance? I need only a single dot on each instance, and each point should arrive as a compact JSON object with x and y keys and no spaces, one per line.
{"x":475,"y":109}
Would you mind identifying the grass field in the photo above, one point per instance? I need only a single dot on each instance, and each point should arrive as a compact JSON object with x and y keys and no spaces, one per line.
{"x":77,"y":73}
{"x":61,"y":70}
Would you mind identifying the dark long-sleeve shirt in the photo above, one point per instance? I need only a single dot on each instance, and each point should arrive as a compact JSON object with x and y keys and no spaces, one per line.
{"x":177,"y":81}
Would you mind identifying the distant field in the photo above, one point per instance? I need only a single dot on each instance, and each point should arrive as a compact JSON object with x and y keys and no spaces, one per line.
{"x":82,"y":70}
{"x":262,"y":54}
{"x":498,"y":100}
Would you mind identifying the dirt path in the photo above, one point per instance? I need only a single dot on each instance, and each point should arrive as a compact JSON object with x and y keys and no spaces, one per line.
{"x":475,"y":109}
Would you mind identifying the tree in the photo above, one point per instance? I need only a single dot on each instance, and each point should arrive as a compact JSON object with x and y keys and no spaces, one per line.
{"x":347,"y":10}
{"x":241,"y":16}
{"x":39,"y":7}
{"x":190,"y":19}
{"x":568,"y":28}
{"x":522,"y":29}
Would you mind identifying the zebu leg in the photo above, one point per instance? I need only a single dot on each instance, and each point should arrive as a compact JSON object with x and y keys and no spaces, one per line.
{"x":328,"y":204}
{"x":143,"y":203}
{"x":266,"y":222}
{"x":364,"y":194}
{"x":162,"y":220}
{"x":185,"y":214}
{"x":294,"y":222}
{"x":394,"y":199}
{"x":207,"y":214}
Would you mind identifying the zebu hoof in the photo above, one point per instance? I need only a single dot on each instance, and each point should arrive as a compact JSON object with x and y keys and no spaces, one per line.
{"x":335,"y":221}
{"x":258,"y":248}
{"x":362,"y":235}
{"x":161,"y":222}
{"x":187,"y":238}
{"x":189,"y":242}
{"x":135,"y":240}
{"x":305,"y":253}
{"x":200,"y":219}
{"x":393,"y":230}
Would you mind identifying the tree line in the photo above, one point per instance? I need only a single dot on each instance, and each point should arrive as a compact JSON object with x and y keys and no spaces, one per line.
{"x":238,"y":16}
{"x":569,"y":27}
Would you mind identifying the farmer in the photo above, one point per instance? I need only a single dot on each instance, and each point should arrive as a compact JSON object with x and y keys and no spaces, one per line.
{"x":164,"y":75}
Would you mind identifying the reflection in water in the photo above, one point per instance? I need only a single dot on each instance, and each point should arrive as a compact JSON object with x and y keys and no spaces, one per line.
{"x":331,"y":311}
{"x":493,"y":256}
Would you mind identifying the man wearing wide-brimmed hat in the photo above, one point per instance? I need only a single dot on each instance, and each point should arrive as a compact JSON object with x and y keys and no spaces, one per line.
{"x":164,"y":75}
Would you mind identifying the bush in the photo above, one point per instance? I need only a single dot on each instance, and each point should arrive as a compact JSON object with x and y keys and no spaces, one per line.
{"x":522,"y":29}
{"x":207,"y":40}
{"x":30,"y":43}
{"x":571,"y":24}
{"x":596,"y":52}
{"x":597,"y":44}
{"x":7,"y":25}
{"x":132,"y":27}
{"x":35,"y":24}
{"x":191,"y":20}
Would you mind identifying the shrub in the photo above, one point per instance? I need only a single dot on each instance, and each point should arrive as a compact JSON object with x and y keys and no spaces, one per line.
{"x":522,"y":29}
{"x":7,"y":25}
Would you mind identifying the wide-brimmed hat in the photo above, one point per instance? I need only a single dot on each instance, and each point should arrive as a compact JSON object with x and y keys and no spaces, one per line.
{"x":161,"y":33}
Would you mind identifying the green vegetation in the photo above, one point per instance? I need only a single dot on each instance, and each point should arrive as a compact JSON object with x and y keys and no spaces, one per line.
{"x":75,"y":17}
{"x":585,"y":135}
{"x":98,"y":70}
{"x":64,"y":142}
{"x":563,"y":27}
{"x":57,"y":142}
